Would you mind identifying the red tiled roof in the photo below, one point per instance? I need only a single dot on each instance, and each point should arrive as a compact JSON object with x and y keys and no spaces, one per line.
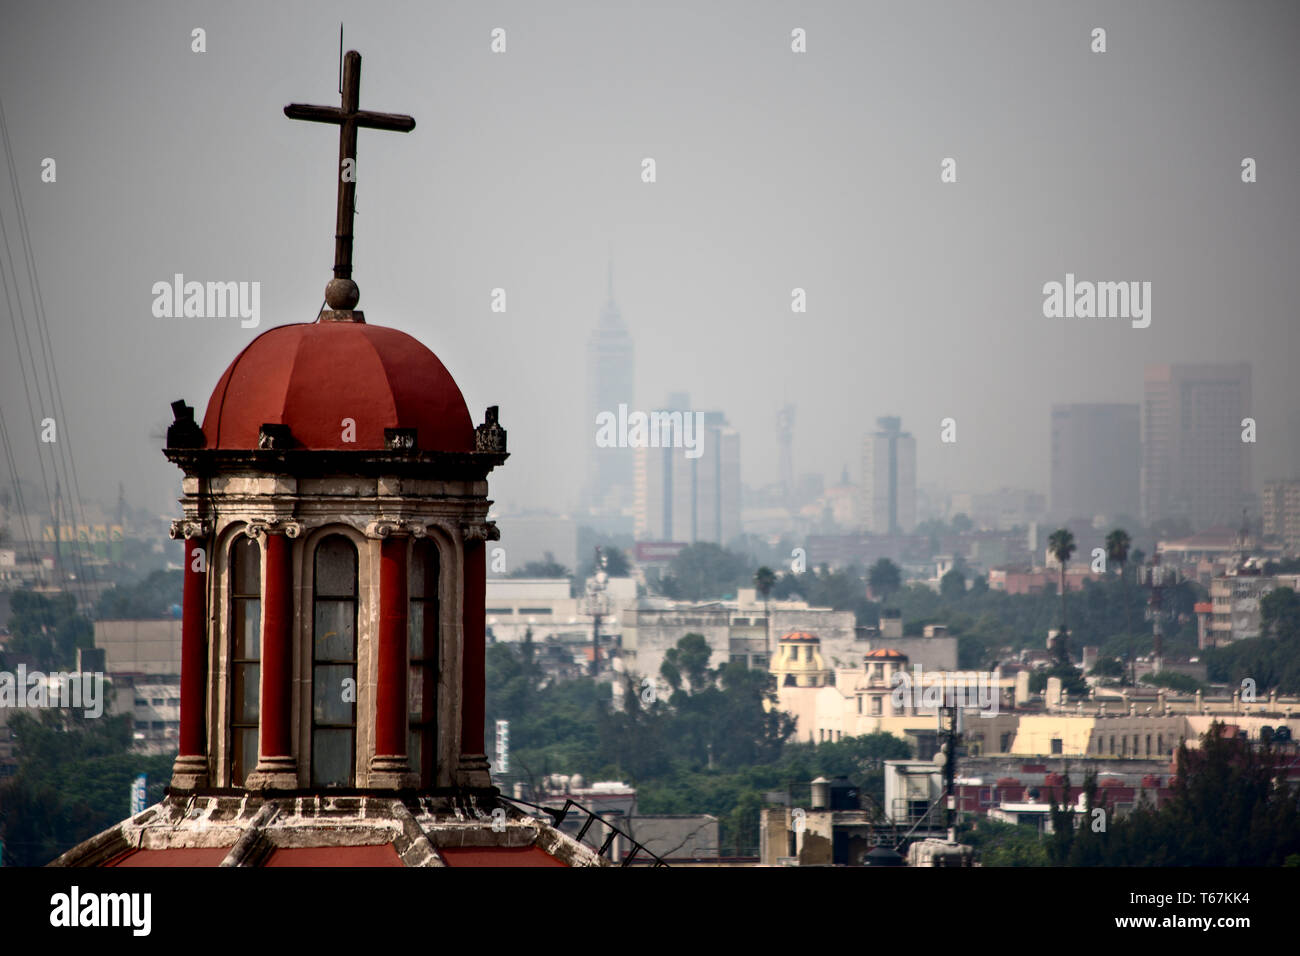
{"x":498,"y":856}
{"x":175,"y":856}
{"x":800,"y":636}
{"x":378,"y":854}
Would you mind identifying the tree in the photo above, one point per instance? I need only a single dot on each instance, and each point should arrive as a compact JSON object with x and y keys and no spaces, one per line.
{"x":764,"y":581}
{"x":689,"y":660}
{"x":548,"y":567}
{"x":47,"y":630}
{"x":148,"y":600}
{"x":1117,"y":545}
{"x":884,"y":578}
{"x":703,"y":572}
{"x":961,"y":523}
{"x":952,"y":585}
{"x":1061,"y":544}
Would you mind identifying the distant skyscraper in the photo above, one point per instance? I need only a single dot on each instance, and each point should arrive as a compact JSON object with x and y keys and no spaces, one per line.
{"x":889,"y":479}
{"x":1194,"y":463}
{"x":610,"y":382}
{"x":690,"y":499}
{"x":1096,"y":460}
{"x":1282,"y":513}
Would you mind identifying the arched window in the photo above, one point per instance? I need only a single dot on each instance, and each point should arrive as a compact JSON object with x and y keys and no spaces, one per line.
{"x":422,"y":687}
{"x":334,"y":664}
{"x":245,"y":655}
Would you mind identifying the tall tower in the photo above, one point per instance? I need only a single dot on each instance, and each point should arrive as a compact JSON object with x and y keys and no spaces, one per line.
{"x":889,"y":479}
{"x":610,"y":383}
{"x":1194,"y":464}
{"x":785,"y":442}
{"x":333,"y":625}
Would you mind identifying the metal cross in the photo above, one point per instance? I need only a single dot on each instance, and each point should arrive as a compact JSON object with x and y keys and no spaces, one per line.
{"x":349,"y":119}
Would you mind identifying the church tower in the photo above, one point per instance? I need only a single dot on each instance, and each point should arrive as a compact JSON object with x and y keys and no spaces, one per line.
{"x":332,"y":678}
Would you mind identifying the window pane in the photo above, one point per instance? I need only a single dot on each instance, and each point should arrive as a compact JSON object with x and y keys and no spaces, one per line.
{"x":331,"y":758}
{"x":335,"y":638}
{"x":245,"y":754}
{"x":246,"y":555}
{"x":248,"y":627}
{"x":328,"y":706}
{"x":336,"y":568}
{"x":247,"y":678}
{"x":415,"y":588}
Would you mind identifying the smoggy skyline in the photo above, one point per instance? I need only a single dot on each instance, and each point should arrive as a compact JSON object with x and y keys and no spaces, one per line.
{"x":775,"y":170}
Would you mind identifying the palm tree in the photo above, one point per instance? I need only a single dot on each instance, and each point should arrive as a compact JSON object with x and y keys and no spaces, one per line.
{"x":1117,"y":545}
{"x":1061,"y":544}
{"x":764,"y":580}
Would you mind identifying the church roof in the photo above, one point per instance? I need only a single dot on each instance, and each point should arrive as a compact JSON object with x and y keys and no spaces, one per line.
{"x":330,"y":831}
{"x":801,"y":636}
{"x":313,"y":376}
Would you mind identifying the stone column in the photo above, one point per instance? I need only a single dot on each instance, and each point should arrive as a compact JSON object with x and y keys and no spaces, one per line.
{"x":276,"y":767}
{"x":473,"y":768}
{"x":190,"y":769}
{"x":389,"y":766}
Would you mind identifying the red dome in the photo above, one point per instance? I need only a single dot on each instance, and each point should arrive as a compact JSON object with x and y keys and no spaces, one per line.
{"x":311,"y":376}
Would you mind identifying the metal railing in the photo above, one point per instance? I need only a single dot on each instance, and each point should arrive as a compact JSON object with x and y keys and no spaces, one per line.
{"x":559,"y":816}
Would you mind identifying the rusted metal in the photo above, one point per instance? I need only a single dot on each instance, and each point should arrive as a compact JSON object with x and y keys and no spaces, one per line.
{"x":349,"y":119}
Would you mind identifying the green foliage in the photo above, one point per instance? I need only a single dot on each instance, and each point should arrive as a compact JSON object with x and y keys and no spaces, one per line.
{"x":1006,"y":844}
{"x":47,"y":630}
{"x":1108,"y":667}
{"x":885,"y":578}
{"x":1230,"y":806}
{"x":688,"y":660}
{"x":1279,"y":614}
{"x":546,"y":568}
{"x":148,"y":600}
{"x":1072,"y":681}
{"x":842,"y":590}
{"x":74,"y":780}
{"x":952,"y":586}
{"x":704,"y":572}
{"x":1184,"y":683}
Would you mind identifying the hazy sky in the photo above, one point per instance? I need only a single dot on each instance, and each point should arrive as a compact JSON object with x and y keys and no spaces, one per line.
{"x":775,"y":170}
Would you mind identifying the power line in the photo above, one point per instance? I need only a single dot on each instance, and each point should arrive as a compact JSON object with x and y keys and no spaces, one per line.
{"x":50,"y":396}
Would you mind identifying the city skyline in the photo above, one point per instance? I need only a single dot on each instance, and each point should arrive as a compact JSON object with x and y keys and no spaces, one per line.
{"x":924,"y":298}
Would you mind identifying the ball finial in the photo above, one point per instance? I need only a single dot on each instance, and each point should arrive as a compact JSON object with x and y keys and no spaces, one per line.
{"x":342,"y":295}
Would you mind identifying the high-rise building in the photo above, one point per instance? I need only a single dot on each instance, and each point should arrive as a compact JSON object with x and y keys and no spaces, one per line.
{"x":690,"y":499}
{"x":1194,"y":463}
{"x":1096,"y":460}
{"x":610,"y":382}
{"x":1282,"y":513}
{"x":888,"y":479}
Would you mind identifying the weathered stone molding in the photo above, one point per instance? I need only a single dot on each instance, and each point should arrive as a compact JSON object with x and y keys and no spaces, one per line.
{"x":258,"y":527}
{"x":190,"y":528}
{"x":480,"y":531}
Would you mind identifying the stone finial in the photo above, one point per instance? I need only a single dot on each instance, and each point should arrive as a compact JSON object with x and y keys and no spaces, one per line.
{"x":490,"y":437}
